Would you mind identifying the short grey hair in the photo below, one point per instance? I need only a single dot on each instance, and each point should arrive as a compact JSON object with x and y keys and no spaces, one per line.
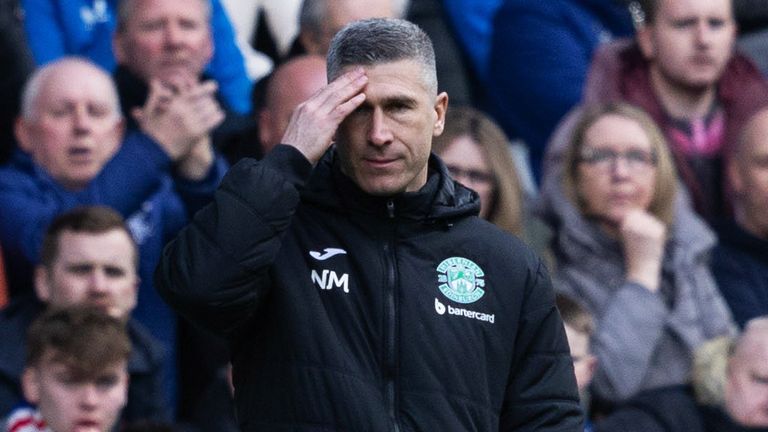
{"x":314,"y":13}
{"x":382,"y":40}
{"x":125,"y":11}
{"x":31,"y":92}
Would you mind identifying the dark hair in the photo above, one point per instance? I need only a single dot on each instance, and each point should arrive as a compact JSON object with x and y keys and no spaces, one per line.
{"x":85,"y":338}
{"x":89,"y":219}
{"x":574,"y":314}
{"x":382,"y":40}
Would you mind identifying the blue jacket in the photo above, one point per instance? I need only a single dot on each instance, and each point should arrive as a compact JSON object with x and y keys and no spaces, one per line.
{"x":540,"y":54}
{"x":138,"y":183}
{"x":740,"y":266}
{"x":146,"y":398}
{"x":56,"y":28}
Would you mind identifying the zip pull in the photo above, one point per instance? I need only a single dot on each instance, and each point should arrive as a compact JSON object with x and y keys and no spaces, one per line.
{"x":391,"y":209}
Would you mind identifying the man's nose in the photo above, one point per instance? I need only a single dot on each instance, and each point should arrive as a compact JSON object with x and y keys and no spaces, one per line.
{"x":704,"y":33}
{"x":379,"y":132}
{"x":82,"y":118}
{"x":97,"y":281}
{"x":173,"y":35}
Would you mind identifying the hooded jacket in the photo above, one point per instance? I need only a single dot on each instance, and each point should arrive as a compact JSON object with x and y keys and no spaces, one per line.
{"x":353,"y":312}
{"x":642,"y":340}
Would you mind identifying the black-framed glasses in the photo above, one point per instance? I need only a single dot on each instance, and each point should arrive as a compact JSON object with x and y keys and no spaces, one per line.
{"x":471,"y":175}
{"x":606,"y":159}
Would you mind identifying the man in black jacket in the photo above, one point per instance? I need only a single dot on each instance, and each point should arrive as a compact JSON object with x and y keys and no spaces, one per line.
{"x":356,"y":283}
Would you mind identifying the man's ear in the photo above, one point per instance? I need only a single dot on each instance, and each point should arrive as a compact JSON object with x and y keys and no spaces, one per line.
{"x":645,"y":42}
{"x":21,"y":130}
{"x":733,"y":173}
{"x":42,"y":284}
{"x":30,"y":385}
{"x":117,"y":48}
{"x":265,"y":128}
{"x":441,"y":107}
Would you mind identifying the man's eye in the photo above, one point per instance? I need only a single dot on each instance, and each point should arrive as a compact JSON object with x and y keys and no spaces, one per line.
{"x":114,"y":271}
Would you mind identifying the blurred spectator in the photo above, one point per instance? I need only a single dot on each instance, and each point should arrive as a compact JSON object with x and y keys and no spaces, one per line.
{"x":88,"y":258}
{"x":683,"y":71}
{"x":163,"y":46}
{"x":629,"y":247}
{"x":76,"y":153}
{"x":740,"y":262}
{"x":729,"y":391}
{"x":472,"y":23}
{"x":476,"y":152}
{"x":319,"y":20}
{"x":17,"y":65}
{"x":75,"y":372}
{"x":540,"y":54}
{"x":58,"y":28}
{"x":290,"y":84}
{"x":579,"y":326}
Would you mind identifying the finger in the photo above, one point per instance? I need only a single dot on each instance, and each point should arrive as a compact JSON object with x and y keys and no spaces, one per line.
{"x":346,"y":108}
{"x":340,"y":90}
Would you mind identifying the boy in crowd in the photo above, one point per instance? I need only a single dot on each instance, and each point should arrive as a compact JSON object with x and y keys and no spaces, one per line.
{"x":76,"y":372}
{"x":579,"y":325}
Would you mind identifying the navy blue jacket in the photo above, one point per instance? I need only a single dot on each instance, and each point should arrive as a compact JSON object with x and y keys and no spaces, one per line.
{"x":740,"y":266}
{"x":146,"y":395}
{"x":359,"y":313}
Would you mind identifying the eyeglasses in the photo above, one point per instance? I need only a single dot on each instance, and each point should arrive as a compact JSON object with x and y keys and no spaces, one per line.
{"x":472,"y":175}
{"x":605,"y":159}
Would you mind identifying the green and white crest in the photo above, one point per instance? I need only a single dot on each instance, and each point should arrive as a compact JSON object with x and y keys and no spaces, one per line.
{"x":461,"y":280}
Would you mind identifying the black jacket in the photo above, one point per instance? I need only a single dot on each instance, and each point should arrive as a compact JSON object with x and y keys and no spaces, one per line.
{"x":332,"y":301}
{"x":146,"y":393}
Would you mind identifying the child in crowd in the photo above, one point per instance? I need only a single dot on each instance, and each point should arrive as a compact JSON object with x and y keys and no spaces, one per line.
{"x":76,"y":372}
{"x":578,"y":328}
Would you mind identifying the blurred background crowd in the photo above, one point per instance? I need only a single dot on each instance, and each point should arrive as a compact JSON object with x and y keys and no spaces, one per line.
{"x":625,"y":141}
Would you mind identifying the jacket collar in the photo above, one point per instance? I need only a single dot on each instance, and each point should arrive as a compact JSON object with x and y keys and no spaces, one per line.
{"x":440,"y":198}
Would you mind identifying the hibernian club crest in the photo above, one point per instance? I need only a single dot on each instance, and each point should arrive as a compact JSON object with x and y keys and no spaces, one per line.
{"x":461,"y":280}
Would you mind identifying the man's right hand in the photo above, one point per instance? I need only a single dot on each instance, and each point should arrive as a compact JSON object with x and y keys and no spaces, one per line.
{"x":178,"y":118}
{"x":314,"y":122}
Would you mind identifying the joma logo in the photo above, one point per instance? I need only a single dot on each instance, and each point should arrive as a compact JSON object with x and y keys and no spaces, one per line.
{"x":330,"y":279}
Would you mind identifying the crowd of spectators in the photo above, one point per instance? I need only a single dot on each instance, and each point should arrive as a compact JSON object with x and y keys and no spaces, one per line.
{"x":644,"y":124}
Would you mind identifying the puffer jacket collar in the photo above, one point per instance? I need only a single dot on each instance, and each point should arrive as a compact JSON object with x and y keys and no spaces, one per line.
{"x":440,"y":199}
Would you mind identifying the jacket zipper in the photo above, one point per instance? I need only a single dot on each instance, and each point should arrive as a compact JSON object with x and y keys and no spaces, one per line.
{"x":390,"y":359}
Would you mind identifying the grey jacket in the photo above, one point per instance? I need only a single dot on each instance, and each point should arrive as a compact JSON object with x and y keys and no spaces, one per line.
{"x":643,"y":340}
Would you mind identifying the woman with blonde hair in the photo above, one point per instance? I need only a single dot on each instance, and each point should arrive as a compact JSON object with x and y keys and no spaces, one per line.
{"x":476,"y":152}
{"x":630,"y":247}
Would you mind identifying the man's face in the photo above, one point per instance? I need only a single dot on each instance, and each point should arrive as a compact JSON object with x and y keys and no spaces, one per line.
{"x":384,"y":145}
{"x":690,"y":42}
{"x":748,"y":173}
{"x":75,"y":128}
{"x":746,"y":393}
{"x":165,"y":39}
{"x":99,"y":269}
{"x":69,"y":404}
